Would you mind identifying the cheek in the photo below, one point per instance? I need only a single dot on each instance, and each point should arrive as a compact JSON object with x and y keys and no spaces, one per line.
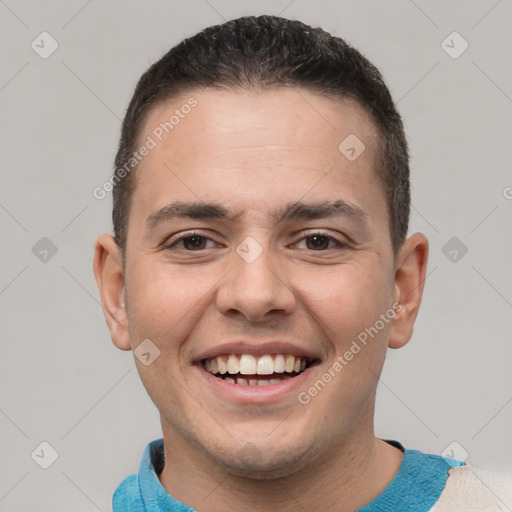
{"x":346,"y":300}
{"x":346,"y":305}
{"x":164,"y":302}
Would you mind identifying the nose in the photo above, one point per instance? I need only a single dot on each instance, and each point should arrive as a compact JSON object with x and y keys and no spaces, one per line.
{"x":255,"y":288}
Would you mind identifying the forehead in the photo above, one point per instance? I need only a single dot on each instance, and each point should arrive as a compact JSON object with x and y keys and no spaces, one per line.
{"x":252,"y":120}
{"x":257,"y":147}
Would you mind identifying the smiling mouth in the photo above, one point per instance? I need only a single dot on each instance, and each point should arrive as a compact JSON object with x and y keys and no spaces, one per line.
{"x":248,"y":370}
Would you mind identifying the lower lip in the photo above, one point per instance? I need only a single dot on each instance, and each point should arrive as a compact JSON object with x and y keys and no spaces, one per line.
{"x":257,"y":394}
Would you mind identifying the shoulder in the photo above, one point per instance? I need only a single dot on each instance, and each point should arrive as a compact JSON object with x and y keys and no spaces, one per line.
{"x":127,"y":496}
{"x":470,"y":490}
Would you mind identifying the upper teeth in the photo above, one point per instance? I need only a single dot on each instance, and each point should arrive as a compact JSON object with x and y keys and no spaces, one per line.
{"x":247,"y":364}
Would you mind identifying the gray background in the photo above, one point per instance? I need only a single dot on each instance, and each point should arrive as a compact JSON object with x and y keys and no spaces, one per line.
{"x":63,"y":381}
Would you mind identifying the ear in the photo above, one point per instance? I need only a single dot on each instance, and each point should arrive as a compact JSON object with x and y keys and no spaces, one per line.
{"x":108,"y":270}
{"x":410,"y":270}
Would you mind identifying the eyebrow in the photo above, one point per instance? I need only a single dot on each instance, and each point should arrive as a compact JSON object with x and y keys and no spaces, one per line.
{"x":319,"y":210}
{"x":192,"y":210}
{"x":291,"y":211}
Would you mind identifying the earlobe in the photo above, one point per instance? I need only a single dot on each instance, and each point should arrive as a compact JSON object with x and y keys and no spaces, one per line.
{"x":410,"y":271}
{"x":108,"y":270}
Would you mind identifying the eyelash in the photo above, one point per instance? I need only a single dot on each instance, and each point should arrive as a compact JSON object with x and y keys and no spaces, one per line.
{"x":338,"y":244}
{"x":190,"y":234}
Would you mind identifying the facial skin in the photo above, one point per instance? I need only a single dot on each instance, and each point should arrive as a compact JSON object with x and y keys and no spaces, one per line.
{"x":254,"y":154}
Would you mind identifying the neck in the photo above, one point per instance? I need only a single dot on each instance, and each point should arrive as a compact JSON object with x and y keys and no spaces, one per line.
{"x":345,"y":478}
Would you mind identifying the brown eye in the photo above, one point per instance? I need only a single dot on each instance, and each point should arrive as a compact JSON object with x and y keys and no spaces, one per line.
{"x":318,"y":242}
{"x":195,"y":242}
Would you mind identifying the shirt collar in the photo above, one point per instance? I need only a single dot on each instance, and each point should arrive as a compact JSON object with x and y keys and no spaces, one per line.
{"x":155,"y":497}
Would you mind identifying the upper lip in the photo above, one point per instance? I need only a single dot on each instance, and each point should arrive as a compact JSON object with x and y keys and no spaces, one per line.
{"x":257,"y":348}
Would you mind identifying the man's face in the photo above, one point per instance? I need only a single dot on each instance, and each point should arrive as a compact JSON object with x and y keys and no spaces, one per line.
{"x":260,"y":279}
